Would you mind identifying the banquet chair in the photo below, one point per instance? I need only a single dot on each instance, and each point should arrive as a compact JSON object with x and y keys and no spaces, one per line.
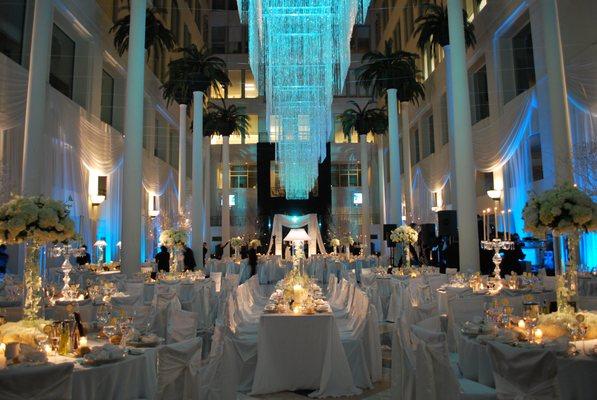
{"x":461,"y":310}
{"x":524,"y":373}
{"x":182,"y":325}
{"x":163,"y":306}
{"x":451,"y":271}
{"x":177,"y":371}
{"x":135,"y":288}
{"x":201,"y":303}
{"x":435,"y":376}
{"x":217,"y":278}
{"x":37,"y":382}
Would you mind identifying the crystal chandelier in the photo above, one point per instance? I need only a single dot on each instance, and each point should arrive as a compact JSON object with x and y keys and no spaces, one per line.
{"x":299,"y":52}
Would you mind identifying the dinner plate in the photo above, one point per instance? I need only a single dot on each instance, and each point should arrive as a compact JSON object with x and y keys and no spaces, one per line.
{"x":95,"y":363}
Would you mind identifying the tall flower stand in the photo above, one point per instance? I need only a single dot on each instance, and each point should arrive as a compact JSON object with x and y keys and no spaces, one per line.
{"x":175,"y":255}
{"x":33,"y":281}
{"x":566,"y":272}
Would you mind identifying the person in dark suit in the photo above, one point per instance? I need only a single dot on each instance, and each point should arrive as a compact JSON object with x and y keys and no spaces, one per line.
{"x":188,"y":258}
{"x":85,"y":258}
{"x":253,"y":260}
{"x":162,"y":258}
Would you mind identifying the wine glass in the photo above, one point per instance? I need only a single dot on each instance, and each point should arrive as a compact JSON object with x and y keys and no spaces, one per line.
{"x":110,"y":330}
{"x":103,"y":315}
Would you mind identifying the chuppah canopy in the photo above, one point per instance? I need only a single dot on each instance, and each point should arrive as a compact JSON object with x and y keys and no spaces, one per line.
{"x":295,"y":222}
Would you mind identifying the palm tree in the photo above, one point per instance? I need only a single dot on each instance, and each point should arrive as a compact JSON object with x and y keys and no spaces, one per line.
{"x":432,"y":28}
{"x":357,"y":118}
{"x":391,"y":70}
{"x":225,"y":120}
{"x":196,"y":70}
{"x":156,"y":34}
{"x":380,"y":72}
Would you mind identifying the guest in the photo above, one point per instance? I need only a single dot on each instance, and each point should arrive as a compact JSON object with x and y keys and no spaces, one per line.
{"x":188,"y":258}
{"x":204,"y":253}
{"x":162,"y":258}
{"x":84,"y":259}
{"x":3,"y":259}
{"x":220,"y":250}
{"x":511,"y":260}
{"x":253,"y":259}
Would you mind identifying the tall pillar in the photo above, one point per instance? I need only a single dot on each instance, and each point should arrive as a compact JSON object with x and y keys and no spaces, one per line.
{"x":35,"y":110}
{"x":468,"y":237}
{"x":408,"y":176}
{"x":382,"y":190}
{"x":133,"y":141}
{"x":366,"y":205}
{"x":556,"y":87}
{"x":395,"y":184}
{"x":197,"y":176}
{"x":182,"y":154}
{"x":450,"y":124}
{"x":207,"y":191}
{"x":226,"y":194}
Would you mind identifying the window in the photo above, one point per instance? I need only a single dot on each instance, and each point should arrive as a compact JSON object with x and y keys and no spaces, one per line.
{"x":361,"y":39}
{"x":235,"y":40}
{"x":276,"y":188}
{"x":522,"y":55}
{"x":235,"y":88}
{"x":429,"y":139}
{"x":484,"y":182}
{"x":250,"y":85}
{"x":428,"y":61}
{"x":243,"y":176}
{"x":480,"y":95}
{"x":107,"y":109}
{"x":186,"y":36}
{"x":445,"y":122}
{"x":346,"y":175}
{"x":12,"y":23}
{"x":175,"y":21}
{"x":409,"y":20}
{"x":415,"y":146}
{"x":62,"y":62}
{"x":536,"y":160}
{"x":218,"y":39}
{"x":473,"y":8}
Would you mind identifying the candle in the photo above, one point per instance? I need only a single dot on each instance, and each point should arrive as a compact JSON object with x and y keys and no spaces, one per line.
{"x":495,"y":221}
{"x":83,"y":341}
{"x":503,"y":223}
{"x":538,"y":335}
{"x":484,"y":231}
{"x":509,"y":224}
{"x":521,"y":324}
{"x":488,"y":228}
{"x":2,"y":355}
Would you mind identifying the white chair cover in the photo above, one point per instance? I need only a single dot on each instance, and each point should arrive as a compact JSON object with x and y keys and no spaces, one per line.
{"x":46,"y":382}
{"x":178,"y":366}
{"x":524,"y":374}
{"x":164,"y":304}
{"x":182,"y":326}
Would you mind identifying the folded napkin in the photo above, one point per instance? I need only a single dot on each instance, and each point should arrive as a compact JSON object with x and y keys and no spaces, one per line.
{"x":106,"y":352}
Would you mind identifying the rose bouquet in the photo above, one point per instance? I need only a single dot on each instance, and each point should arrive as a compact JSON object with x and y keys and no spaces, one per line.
{"x":236,"y":243}
{"x":335,"y":242}
{"x":406,"y":236}
{"x":347,"y":240}
{"x":255,"y":243}
{"x":173,"y":237}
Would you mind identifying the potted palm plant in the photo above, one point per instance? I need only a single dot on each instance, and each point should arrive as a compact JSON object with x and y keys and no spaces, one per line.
{"x":226,"y":120}
{"x":394,"y":73}
{"x":156,"y":34}
{"x":196,"y":70}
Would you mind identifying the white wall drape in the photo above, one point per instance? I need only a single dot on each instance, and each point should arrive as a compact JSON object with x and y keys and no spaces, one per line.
{"x":309,"y":220}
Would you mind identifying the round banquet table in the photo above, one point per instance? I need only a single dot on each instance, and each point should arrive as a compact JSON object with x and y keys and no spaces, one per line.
{"x":576,"y":375}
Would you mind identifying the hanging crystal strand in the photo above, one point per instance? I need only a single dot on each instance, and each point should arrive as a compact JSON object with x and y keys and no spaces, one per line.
{"x":572,"y":267}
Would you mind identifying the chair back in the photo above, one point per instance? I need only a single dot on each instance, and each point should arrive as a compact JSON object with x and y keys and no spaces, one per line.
{"x":178,"y":367}
{"x":182,"y":326}
{"x":37,"y":382}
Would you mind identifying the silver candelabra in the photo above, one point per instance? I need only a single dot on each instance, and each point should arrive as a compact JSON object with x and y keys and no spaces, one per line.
{"x":496,"y":245}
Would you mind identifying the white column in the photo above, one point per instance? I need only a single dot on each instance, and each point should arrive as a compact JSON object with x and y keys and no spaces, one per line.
{"x":450,"y":124}
{"x":133,"y":141}
{"x":225,"y":194}
{"x":408,"y":176}
{"x":382,"y":191}
{"x":558,"y":99}
{"x":366,"y":206}
{"x":182,"y":155}
{"x":35,"y":111}
{"x":395,"y":184}
{"x":207,"y":191}
{"x":197,"y":176}
{"x":468,"y":238}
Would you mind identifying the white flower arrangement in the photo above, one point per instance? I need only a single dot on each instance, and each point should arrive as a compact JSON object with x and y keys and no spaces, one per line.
{"x":255,"y":243}
{"x":347,"y":240}
{"x":563,"y":210}
{"x":23,"y":331}
{"x":236,"y":241}
{"x":173,"y":237}
{"x":335,"y":242}
{"x":404,"y":234}
{"x":38,"y":219}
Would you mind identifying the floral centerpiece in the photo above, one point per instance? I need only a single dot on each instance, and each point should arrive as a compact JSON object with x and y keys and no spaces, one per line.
{"x":174,"y":239}
{"x":335,"y":242}
{"x":347,"y":241}
{"x":406,"y":236}
{"x":255,"y":243}
{"x":236,"y":243}
{"x":35,"y":220}
{"x":564,"y":210}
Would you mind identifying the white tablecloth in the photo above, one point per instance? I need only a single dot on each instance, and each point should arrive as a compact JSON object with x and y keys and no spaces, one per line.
{"x":301,"y":352}
{"x":576,"y":375}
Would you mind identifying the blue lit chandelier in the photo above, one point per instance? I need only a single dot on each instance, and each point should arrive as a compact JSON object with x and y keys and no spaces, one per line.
{"x":299,"y":51}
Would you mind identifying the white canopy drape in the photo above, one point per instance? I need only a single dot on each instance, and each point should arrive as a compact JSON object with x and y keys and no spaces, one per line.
{"x":309,"y":220}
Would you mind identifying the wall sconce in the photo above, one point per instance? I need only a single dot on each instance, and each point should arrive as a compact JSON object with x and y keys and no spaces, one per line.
{"x":154,"y":206}
{"x":98,"y":187}
{"x":494,"y":194}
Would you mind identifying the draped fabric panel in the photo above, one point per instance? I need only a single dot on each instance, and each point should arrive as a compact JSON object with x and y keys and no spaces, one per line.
{"x":309,"y":220}
{"x":80,"y":147}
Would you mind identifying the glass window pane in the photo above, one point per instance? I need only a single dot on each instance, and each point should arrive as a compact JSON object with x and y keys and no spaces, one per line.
{"x":250,"y":85}
{"x":12,"y":22}
{"x":234,"y":90}
{"x":62,"y":62}
{"x":107,"y":98}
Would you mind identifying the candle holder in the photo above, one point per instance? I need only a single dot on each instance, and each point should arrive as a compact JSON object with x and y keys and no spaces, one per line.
{"x":496,"y":245}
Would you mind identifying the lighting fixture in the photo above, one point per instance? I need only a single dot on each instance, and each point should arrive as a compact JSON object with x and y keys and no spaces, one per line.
{"x":495,"y":194}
